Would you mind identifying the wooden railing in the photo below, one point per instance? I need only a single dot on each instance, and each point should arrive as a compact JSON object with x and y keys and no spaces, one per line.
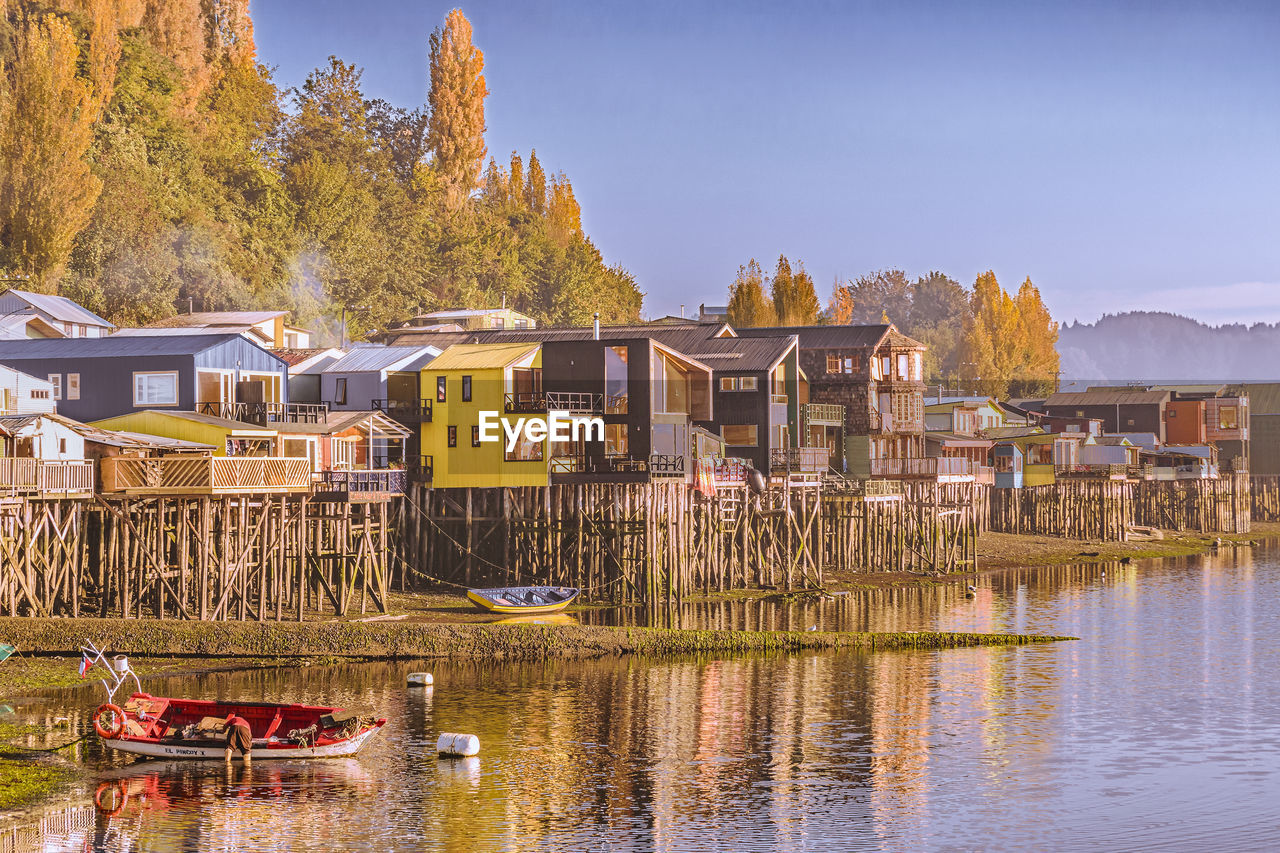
{"x":1101,"y":471}
{"x":267,"y":413}
{"x":985,"y":474}
{"x":206,"y":475}
{"x":406,"y":411}
{"x":20,"y":474}
{"x":575,"y":402}
{"x":954,"y":466}
{"x":823,"y":413}
{"x":17,"y":474}
{"x":533,"y":401}
{"x":666,"y":465}
{"x":421,"y":469}
{"x":926,"y":466}
{"x":612,"y":464}
{"x":806,"y":460}
{"x":65,"y":477}
{"x":390,"y":481}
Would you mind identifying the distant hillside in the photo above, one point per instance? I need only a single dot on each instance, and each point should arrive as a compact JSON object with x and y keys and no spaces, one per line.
{"x":1153,"y":345}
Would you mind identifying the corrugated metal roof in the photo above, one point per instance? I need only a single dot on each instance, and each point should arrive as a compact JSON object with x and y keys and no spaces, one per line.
{"x":211,"y":420}
{"x":218,"y":318}
{"x":171,"y":331}
{"x":59,"y":307}
{"x":112,"y":346}
{"x":371,"y":359}
{"x":482,"y":356}
{"x":1120,"y":397}
{"x":693,"y":340}
{"x":825,"y":337}
{"x":1264,"y":397}
{"x":340,"y":421}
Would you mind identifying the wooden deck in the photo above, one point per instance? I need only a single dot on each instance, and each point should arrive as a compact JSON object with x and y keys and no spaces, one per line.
{"x":218,"y":475}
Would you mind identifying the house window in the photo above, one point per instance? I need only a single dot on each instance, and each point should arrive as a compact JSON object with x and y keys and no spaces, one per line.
{"x":453,"y":436}
{"x":1172,"y":413}
{"x":521,"y":324}
{"x":440,"y":383}
{"x":615,"y":439}
{"x":39,"y":394}
{"x":62,"y":446}
{"x":155,"y":389}
{"x":1228,"y":418}
{"x":1079,"y":413}
{"x":1129,"y":422}
{"x":903,"y":370}
{"x":73,"y":386}
{"x":466,"y":389}
{"x":525,"y":450}
{"x":498,"y":323}
{"x":615,"y":380}
{"x":56,"y":380}
{"x":475,"y":436}
{"x":843,"y":364}
{"x":739,"y":383}
{"x":741,"y":435}
{"x":340,"y":391}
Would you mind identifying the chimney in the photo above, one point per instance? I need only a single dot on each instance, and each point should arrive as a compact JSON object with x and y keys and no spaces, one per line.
{"x":681,"y":310}
{"x":504,"y":299}
{"x":596,"y":318}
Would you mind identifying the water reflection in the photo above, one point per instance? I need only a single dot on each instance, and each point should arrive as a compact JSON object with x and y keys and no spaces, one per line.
{"x":1160,"y":729}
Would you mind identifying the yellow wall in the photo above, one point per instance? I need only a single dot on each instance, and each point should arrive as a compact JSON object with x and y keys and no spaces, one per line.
{"x":166,"y":426}
{"x":466,"y":466}
{"x":1038,"y":475}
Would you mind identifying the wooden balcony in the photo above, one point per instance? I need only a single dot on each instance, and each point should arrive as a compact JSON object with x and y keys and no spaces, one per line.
{"x":531,"y":402}
{"x":267,"y":413}
{"x":802,"y":460}
{"x":359,"y":486}
{"x":822,"y":414}
{"x":407,"y":412}
{"x":662,"y":465}
{"x":216,"y":475}
{"x":24,"y":476}
{"x":924,"y":467}
{"x":610,"y":464}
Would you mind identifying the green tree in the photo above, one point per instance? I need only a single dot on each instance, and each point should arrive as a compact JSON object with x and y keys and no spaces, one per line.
{"x":456,"y":127}
{"x":535,"y":188}
{"x":795,"y":302}
{"x":748,"y":306}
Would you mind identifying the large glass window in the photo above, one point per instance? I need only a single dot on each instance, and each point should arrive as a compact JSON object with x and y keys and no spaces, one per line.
{"x":675,"y":388}
{"x":615,"y":380}
{"x":1228,"y":418}
{"x":155,"y":389}
{"x":525,"y":450}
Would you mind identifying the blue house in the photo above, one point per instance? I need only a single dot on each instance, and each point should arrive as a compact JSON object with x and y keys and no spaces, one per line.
{"x":225,"y":374}
{"x":1007,"y":461}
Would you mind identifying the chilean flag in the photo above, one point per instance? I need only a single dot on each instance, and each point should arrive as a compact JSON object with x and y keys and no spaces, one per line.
{"x":85,"y":666}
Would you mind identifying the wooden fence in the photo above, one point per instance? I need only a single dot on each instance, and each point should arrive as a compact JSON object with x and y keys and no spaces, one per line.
{"x":1106,"y":509}
{"x":172,"y":475}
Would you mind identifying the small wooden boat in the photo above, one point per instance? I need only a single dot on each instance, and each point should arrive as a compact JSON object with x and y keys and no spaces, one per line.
{"x":163,"y":727}
{"x":523,"y":599}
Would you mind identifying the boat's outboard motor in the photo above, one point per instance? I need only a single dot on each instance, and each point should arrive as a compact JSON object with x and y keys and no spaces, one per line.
{"x":756,"y":481}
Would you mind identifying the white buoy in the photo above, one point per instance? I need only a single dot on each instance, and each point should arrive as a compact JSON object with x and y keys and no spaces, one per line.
{"x":421,"y":679}
{"x":455,"y":744}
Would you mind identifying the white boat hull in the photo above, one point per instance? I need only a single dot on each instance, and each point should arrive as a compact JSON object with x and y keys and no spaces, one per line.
{"x":154,"y":749}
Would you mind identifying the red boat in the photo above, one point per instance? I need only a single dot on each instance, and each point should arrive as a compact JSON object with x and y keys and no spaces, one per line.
{"x":164,"y":727}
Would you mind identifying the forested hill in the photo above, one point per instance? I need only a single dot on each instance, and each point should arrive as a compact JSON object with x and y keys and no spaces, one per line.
{"x":1152,"y":345}
{"x":148,"y":161}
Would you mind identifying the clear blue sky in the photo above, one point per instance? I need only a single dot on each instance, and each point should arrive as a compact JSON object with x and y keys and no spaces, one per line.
{"x":1124,"y":155}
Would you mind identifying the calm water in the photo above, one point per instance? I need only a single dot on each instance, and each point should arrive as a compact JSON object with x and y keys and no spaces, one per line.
{"x":1159,"y":730}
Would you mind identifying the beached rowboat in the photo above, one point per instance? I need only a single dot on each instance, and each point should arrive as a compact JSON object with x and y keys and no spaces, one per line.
{"x":523,"y":599}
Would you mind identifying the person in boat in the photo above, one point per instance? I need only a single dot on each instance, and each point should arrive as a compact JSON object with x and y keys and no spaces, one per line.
{"x":239,"y":737}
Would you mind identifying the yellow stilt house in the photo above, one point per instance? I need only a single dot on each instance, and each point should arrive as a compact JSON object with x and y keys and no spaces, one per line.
{"x":502,"y":383}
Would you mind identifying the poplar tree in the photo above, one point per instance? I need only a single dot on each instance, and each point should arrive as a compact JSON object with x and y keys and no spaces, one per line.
{"x":995,"y":342}
{"x":748,"y":306}
{"x":1040,"y":361}
{"x":794,"y":299}
{"x":535,"y":188}
{"x":780,"y":290}
{"x":564,"y":215}
{"x":456,"y":130}
{"x":515,"y":180}
{"x":47,"y":190}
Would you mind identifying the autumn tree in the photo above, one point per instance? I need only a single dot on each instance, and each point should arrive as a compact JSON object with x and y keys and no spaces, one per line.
{"x":535,"y":187}
{"x":1039,"y":338}
{"x":564,"y":215}
{"x":456,"y":128}
{"x":515,"y":180}
{"x":748,"y":305}
{"x":47,"y":190}
{"x":995,"y":342}
{"x":794,"y":299}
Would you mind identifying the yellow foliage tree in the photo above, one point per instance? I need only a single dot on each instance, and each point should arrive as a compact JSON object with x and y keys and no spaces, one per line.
{"x":840,"y":307}
{"x":995,"y":340}
{"x":564,"y":215}
{"x":1039,"y":368}
{"x":456,"y":129}
{"x":748,"y":305}
{"x":47,"y":190}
